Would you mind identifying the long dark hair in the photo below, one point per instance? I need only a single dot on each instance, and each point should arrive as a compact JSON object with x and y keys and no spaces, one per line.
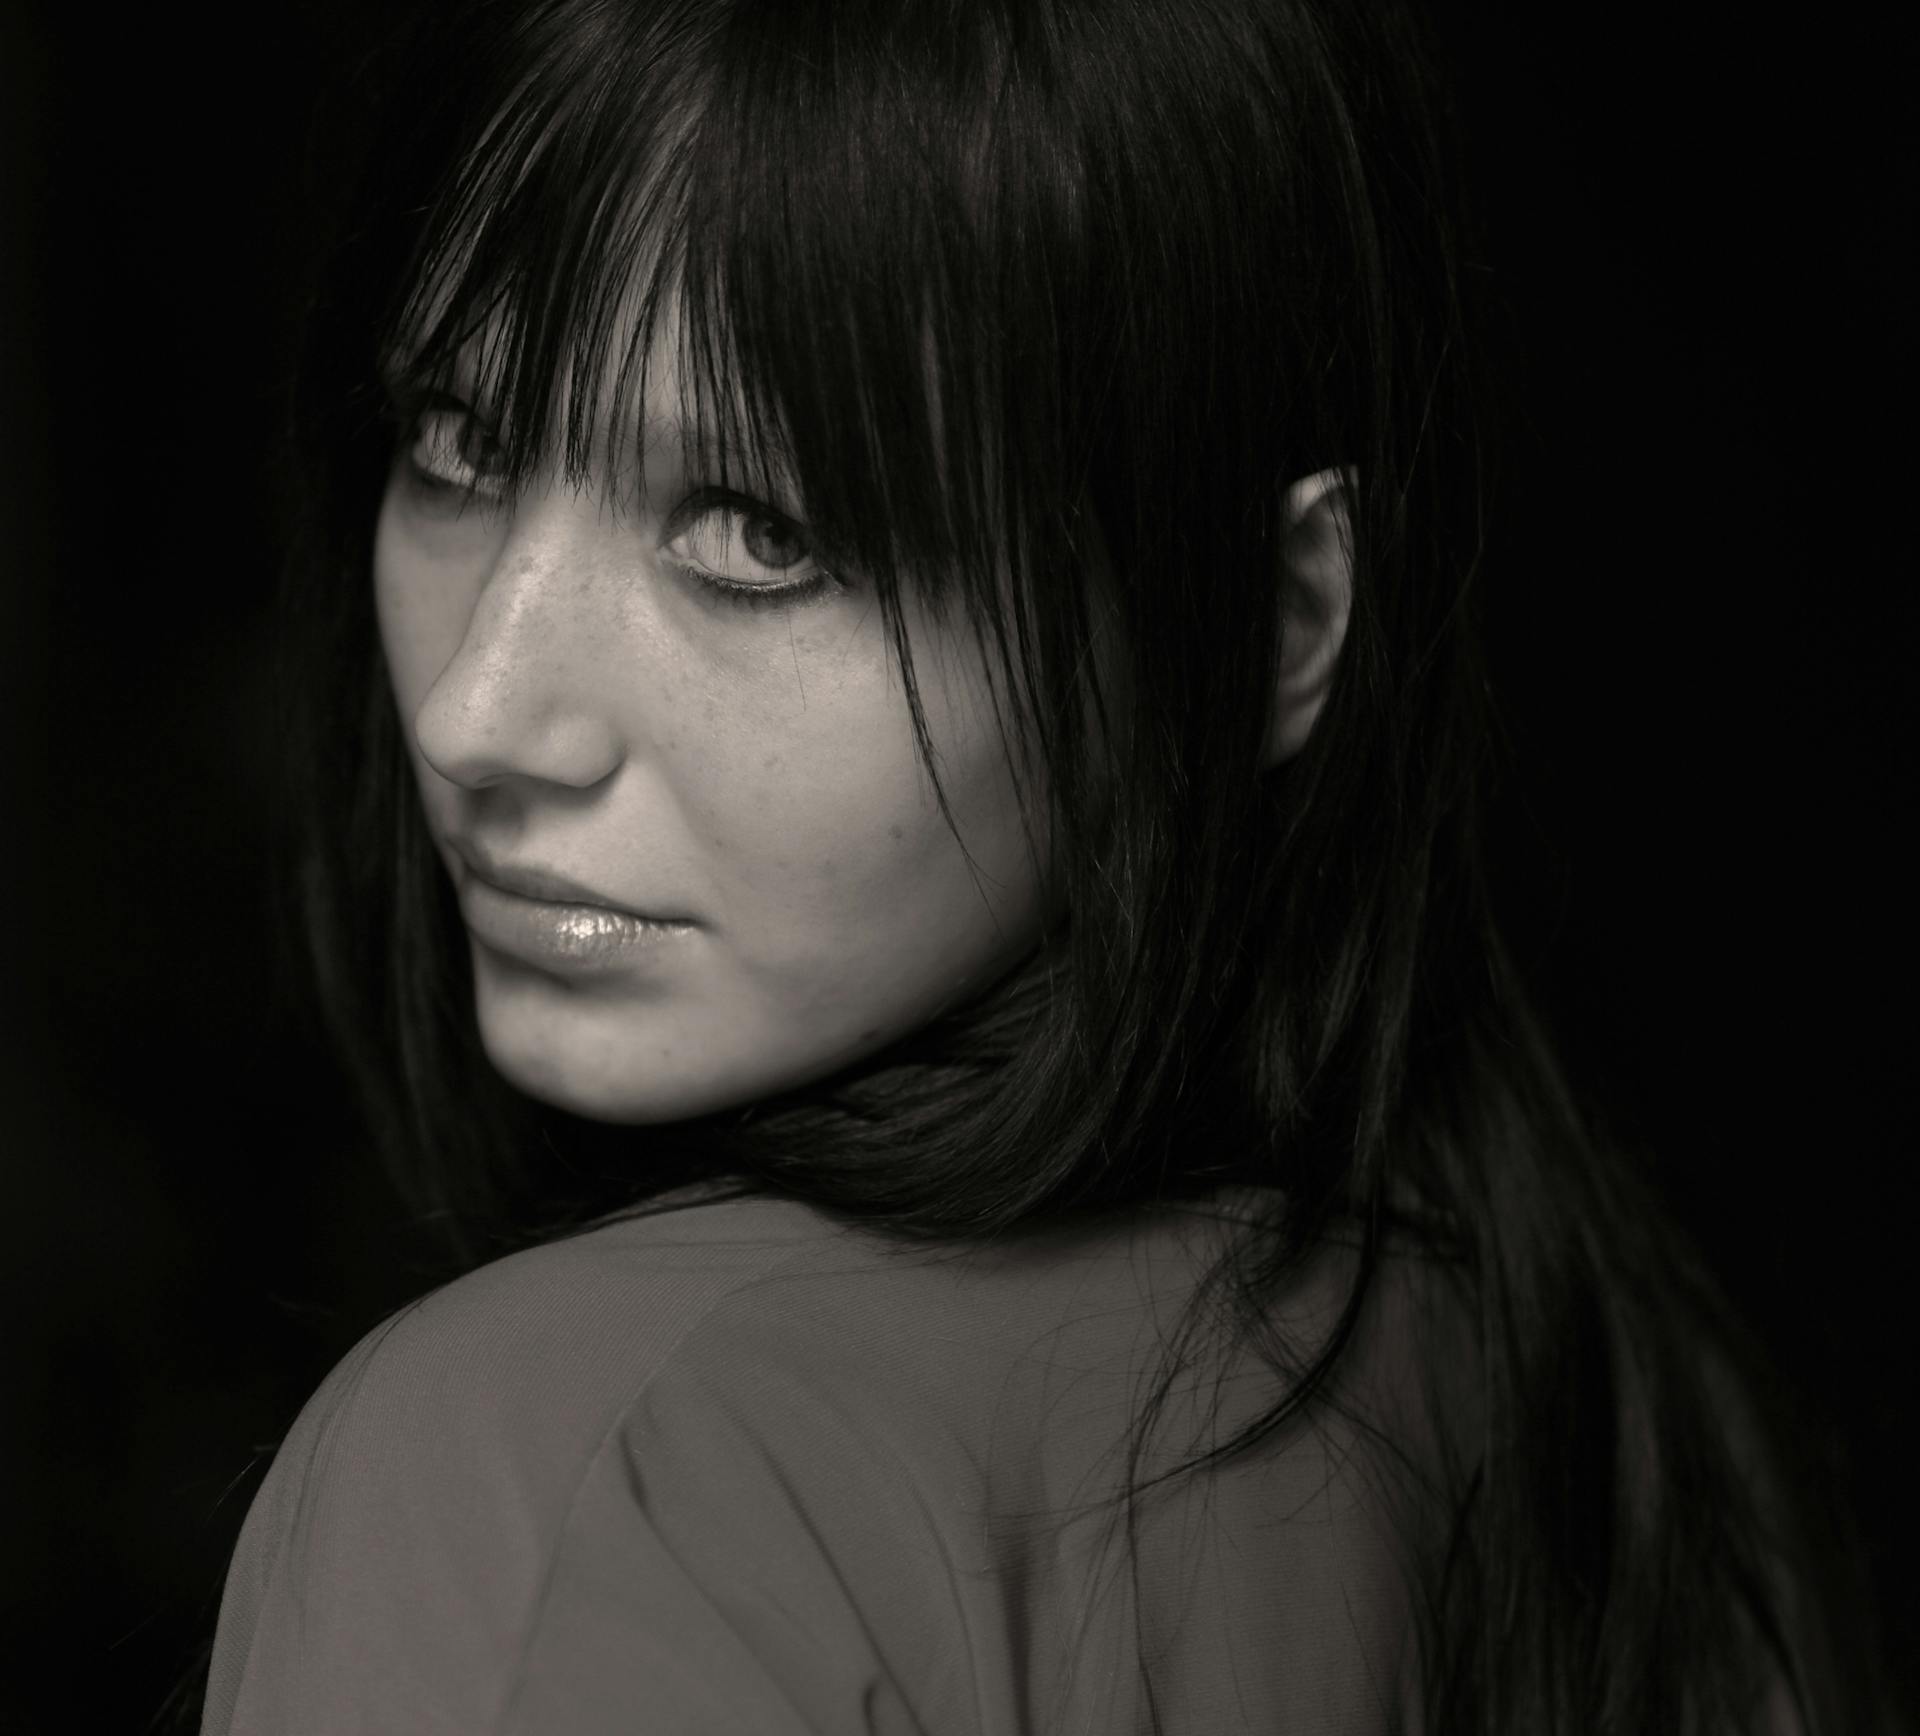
{"x":1064,"y":292}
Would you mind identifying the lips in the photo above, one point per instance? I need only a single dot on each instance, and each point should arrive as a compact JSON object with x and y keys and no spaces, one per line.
{"x":555,"y":923}
{"x":564,"y":938}
{"x":544,"y":886}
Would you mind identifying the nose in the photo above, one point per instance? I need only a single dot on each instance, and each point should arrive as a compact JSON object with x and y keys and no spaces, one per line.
{"x":526,"y":695}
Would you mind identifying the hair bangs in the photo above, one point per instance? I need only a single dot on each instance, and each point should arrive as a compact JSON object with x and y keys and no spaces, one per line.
{"x":546,"y":265}
{"x":788,"y":229}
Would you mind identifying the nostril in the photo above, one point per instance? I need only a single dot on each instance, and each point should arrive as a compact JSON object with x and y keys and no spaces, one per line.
{"x":481,"y":737}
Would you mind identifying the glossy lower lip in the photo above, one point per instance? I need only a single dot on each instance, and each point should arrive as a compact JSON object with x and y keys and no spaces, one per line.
{"x":557,"y":935}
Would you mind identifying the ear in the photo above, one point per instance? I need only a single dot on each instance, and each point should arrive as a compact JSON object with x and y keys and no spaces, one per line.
{"x":1316,"y":597}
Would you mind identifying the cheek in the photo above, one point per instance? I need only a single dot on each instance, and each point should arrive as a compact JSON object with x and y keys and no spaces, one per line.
{"x":825,"y":820}
{"x":423,"y":605}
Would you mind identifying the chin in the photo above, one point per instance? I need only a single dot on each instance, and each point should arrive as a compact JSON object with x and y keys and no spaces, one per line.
{"x":642,"y":1059}
{"x":590,"y":1061}
{"x":604,"y":1090}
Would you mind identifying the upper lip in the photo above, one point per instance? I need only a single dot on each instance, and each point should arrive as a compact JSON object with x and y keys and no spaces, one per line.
{"x":542,"y":883}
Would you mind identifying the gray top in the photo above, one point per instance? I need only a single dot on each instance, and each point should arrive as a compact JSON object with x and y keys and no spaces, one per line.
{"x":738,"y":1468}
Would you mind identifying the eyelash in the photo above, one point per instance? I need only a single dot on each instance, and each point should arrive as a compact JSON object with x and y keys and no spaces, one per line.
{"x":761,"y":596}
{"x":407,"y":413}
{"x":731,"y":591}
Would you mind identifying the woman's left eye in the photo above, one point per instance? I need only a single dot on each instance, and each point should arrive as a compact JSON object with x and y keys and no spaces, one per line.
{"x":745,"y":551}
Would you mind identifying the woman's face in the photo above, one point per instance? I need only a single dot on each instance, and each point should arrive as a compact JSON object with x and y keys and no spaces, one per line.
{"x":602,"y":735}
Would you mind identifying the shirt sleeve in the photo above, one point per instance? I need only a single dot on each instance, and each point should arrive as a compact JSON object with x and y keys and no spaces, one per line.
{"x":743,"y":1557}
{"x":454,"y":1539}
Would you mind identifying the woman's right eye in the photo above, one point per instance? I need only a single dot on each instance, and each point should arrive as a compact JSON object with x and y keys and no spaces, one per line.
{"x":453,"y":452}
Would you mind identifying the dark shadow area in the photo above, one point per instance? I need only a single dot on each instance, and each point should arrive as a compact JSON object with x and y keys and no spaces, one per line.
{"x":1703,"y":250}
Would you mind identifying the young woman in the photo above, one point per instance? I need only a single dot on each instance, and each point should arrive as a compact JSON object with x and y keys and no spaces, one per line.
{"x":897,"y":746}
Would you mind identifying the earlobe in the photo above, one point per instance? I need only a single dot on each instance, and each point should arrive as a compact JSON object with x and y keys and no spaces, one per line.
{"x":1316,"y":597}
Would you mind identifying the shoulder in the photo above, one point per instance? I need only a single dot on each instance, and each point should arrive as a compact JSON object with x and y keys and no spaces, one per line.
{"x":544,"y":1344}
{"x":440,"y":1516}
{"x":511,"y":1373}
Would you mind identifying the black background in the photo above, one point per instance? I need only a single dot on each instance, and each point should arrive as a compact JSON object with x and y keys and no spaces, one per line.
{"x":1703,"y":241}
